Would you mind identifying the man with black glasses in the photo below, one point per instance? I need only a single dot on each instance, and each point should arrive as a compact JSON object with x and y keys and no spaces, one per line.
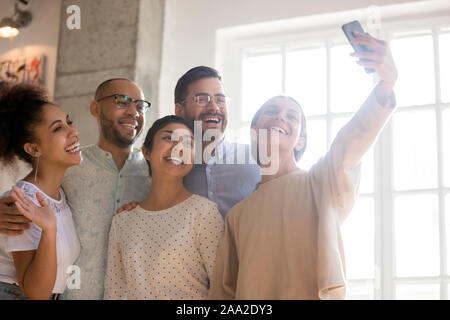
{"x":112,"y":173}
{"x":223,"y":171}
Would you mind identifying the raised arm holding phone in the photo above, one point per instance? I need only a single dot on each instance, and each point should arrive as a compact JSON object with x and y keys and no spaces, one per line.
{"x":284,"y":241}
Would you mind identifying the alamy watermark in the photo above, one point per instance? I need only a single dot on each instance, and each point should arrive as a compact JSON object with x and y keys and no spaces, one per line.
{"x":264,"y":149}
{"x":73,"y":21}
{"x":373,"y":20}
{"x":74,"y":279}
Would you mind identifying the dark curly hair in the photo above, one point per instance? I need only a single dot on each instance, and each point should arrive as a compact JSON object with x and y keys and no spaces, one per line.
{"x":158,"y":125}
{"x":20,"y":111}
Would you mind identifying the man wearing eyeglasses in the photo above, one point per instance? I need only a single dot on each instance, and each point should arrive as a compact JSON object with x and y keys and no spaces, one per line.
{"x":226,"y":174}
{"x":112,"y":173}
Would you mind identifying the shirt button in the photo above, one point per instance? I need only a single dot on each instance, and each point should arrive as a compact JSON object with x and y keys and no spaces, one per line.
{"x":118,"y":200}
{"x":208,"y":170}
{"x":120,"y":176}
{"x":211,"y":193}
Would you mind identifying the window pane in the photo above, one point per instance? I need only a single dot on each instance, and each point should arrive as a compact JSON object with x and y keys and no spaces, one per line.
{"x":414,"y":150}
{"x":261,"y":81}
{"x":444,"y":54}
{"x":316,"y":145}
{"x":306,"y":79}
{"x":358,"y":237}
{"x":414,"y":59}
{"x":417,"y":291}
{"x":416,"y":235}
{"x":446,"y":144}
{"x":367,"y":166}
{"x":360,"y":292}
{"x":239,"y":135}
{"x":350,"y":84}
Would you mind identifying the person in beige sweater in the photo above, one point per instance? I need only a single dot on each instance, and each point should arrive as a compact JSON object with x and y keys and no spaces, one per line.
{"x":284,"y":241}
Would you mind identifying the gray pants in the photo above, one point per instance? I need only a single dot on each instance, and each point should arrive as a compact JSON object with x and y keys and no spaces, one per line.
{"x":11,"y":292}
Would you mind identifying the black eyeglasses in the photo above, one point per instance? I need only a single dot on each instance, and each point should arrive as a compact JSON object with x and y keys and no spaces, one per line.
{"x":124,"y":102}
{"x":203,"y":99}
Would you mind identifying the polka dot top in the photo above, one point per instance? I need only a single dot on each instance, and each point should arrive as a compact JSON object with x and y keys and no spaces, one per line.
{"x":167,"y":254}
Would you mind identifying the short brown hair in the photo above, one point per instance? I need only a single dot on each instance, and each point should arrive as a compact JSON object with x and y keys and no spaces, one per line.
{"x":191,"y":76}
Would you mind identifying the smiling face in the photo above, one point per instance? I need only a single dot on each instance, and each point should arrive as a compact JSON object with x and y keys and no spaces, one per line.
{"x":214,"y":115}
{"x":119,"y":126}
{"x":57,"y":139}
{"x":282,"y":116}
{"x":172,"y":151}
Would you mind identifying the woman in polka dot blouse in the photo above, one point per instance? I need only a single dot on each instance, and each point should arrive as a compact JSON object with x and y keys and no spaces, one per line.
{"x":165,"y":248}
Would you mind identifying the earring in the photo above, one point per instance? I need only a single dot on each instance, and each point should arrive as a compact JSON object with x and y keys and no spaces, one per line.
{"x":36,"y":171}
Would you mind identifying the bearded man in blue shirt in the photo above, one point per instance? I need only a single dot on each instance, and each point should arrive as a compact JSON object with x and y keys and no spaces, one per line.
{"x":223,"y":171}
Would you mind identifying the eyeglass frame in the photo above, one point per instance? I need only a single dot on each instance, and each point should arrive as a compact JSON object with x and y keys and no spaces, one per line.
{"x":227,"y":99}
{"x":135,"y":101}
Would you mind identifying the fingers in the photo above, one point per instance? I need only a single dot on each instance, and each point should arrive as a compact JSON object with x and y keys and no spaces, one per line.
{"x":133,"y":205}
{"x":128,"y":207}
{"x":15,"y":226}
{"x":367,"y":40}
{"x":23,"y":209}
{"x":368,"y":64}
{"x":10,"y":232}
{"x":40,"y":198}
{"x":19,"y":196}
{"x":14,"y":218}
{"x":367,"y":55}
{"x":23,"y":203}
{"x":7,"y":206}
{"x":7,"y":201}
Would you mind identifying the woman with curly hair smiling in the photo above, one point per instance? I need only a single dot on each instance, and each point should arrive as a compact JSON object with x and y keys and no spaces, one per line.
{"x":33,"y":129}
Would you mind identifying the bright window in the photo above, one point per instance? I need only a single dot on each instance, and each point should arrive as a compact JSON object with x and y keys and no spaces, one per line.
{"x":397,"y":239}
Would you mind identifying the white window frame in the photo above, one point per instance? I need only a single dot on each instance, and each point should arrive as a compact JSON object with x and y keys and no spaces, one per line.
{"x":233,"y":43}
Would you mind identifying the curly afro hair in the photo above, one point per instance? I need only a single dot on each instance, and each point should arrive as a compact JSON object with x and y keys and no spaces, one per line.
{"x":20,"y":111}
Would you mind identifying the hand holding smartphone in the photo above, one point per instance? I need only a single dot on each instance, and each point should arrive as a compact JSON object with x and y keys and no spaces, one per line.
{"x":348,"y":29}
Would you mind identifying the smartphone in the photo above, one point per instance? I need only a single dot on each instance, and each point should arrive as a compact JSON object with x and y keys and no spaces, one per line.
{"x":348,"y":29}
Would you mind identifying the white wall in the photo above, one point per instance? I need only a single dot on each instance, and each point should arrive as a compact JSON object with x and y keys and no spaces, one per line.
{"x":40,"y":37}
{"x":190,"y":29}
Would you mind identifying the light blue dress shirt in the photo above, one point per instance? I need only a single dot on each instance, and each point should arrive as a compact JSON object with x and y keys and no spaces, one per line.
{"x":230,"y":176}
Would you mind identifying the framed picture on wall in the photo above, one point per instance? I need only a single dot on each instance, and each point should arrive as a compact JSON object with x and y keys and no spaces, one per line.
{"x":23,"y":70}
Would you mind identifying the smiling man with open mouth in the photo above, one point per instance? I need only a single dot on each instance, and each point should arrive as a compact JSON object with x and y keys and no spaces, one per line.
{"x":200,"y":96}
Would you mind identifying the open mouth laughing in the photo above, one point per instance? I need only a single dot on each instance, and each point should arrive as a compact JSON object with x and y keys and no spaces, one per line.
{"x":174,"y":160}
{"x":277,"y":129}
{"x":73,"y":148}
{"x":212,"y":120}
{"x":129,"y":126}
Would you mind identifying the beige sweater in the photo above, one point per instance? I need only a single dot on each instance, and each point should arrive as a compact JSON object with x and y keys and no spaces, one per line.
{"x":284,"y":241}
